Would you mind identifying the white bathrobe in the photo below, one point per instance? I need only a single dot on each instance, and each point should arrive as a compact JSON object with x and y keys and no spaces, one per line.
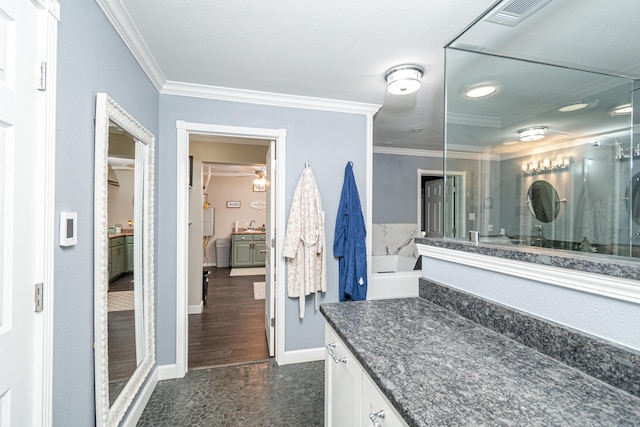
{"x":304,"y":242}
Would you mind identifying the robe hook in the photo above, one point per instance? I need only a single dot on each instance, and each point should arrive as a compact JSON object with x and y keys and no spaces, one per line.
{"x":306,"y":164}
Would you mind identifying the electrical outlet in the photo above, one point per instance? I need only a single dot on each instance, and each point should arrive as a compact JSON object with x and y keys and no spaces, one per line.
{"x":472,"y":216}
{"x":490,"y":227}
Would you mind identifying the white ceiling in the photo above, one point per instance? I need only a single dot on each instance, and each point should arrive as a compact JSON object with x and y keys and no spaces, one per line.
{"x":330,"y":49}
{"x":340,"y":50}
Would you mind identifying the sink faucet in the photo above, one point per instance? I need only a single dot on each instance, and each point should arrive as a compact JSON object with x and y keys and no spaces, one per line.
{"x":251,"y":224}
{"x":539,"y":228}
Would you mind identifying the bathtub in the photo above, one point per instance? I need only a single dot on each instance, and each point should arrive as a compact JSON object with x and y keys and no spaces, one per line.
{"x":393,"y":276}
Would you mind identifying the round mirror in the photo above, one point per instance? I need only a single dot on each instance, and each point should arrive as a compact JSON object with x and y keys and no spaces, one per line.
{"x":633,"y":199}
{"x":543,"y":201}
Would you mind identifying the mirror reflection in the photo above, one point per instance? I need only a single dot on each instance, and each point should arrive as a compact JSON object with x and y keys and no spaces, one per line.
{"x":543,"y":201}
{"x":633,"y":199}
{"x":527,"y":106}
{"x":122,"y":319}
{"x":123,"y":259}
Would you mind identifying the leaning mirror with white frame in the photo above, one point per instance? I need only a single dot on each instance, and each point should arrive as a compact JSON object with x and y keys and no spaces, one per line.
{"x":123,"y":259}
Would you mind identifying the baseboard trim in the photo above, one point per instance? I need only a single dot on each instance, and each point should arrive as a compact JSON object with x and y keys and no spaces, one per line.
{"x":209,"y":264}
{"x":168,"y":372}
{"x":136,"y":410}
{"x":302,"y":356}
{"x":196,"y":309}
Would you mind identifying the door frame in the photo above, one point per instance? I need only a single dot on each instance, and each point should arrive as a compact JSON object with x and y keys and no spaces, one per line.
{"x":43,"y":369}
{"x":184,"y":129}
{"x":460,"y":218}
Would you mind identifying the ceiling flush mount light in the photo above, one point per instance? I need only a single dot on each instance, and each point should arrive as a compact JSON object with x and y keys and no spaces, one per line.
{"x":532,"y":134}
{"x":403,"y":79}
{"x":622,"y":109}
{"x":481,"y":91}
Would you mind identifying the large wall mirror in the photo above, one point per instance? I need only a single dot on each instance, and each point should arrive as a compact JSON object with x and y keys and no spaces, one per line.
{"x":123,"y":259}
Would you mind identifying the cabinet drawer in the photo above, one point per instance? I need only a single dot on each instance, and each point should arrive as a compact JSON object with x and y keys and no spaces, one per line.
{"x":116,"y":241}
{"x":242,"y":238}
{"x":375,"y":406}
{"x":259,"y":237}
{"x":351,"y":396}
{"x":343,"y":384}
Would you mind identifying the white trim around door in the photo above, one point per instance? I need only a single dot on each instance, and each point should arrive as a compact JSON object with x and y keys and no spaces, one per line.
{"x":184,"y":129}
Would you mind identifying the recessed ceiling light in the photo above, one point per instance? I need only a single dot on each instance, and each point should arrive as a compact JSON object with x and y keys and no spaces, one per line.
{"x":576,"y":106}
{"x":417,"y":130}
{"x":403,"y":79}
{"x":532,"y":134}
{"x":573,"y":107}
{"x":481,"y":91}
{"x":622,"y":109}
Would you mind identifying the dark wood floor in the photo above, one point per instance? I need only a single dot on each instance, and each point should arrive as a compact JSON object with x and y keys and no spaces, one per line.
{"x":121,"y":333}
{"x":230,"y":329}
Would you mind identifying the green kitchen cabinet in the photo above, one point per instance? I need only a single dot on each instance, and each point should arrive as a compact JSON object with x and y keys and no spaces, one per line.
{"x":117,"y":257}
{"x":130,"y":252}
{"x":247,"y":250}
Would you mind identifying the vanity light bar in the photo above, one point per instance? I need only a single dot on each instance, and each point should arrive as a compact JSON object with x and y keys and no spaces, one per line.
{"x":546,"y":165}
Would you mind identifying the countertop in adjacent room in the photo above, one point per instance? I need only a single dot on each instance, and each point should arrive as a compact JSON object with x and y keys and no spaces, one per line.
{"x":123,"y":234}
{"x":242,"y":231}
{"x":439,"y":368}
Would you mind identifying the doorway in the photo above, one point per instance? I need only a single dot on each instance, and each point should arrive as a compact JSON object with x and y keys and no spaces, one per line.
{"x":227,"y":209}
{"x":274,"y":295}
{"x":441,"y":203}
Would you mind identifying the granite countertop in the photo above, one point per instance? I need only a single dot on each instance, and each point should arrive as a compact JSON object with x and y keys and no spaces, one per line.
{"x":610,"y":265}
{"x":438,"y":368}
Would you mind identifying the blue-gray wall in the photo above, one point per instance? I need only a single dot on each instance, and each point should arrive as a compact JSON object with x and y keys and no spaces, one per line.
{"x":395,"y":186}
{"x":326,"y":139}
{"x":608,"y":318}
{"x":91,"y":58}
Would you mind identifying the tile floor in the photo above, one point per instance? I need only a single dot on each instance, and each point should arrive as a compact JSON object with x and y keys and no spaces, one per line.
{"x":259,"y":394}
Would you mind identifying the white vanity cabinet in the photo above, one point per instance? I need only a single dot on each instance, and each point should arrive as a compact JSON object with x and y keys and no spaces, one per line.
{"x":376,"y":407}
{"x":342,"y":384}
{"x":351,"y":397}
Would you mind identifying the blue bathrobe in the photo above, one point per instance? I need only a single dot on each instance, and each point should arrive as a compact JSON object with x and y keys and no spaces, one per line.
{"x":349,"y":242}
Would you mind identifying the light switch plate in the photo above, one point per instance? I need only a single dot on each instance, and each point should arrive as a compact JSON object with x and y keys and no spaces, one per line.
{"x":68,"y":228}
{"x":472,"y":216}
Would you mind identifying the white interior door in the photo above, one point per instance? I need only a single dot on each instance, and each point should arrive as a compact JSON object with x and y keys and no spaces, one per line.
{"x":270,"y":267}
{"x":451,"y":207}
{"x":21,"y":213}
{"x":433,"y":207}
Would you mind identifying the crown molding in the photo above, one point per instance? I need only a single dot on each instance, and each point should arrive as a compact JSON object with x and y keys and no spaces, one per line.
{"x":474,"y":120}
{"x":117,"y":14}
{"x":408,"y":152}
{"x":121,"y":21}
{"x":459,"y":155}
{"x":266,"y":98}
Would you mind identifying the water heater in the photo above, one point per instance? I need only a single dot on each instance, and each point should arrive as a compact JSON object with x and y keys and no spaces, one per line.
{"x":207,"y":221}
